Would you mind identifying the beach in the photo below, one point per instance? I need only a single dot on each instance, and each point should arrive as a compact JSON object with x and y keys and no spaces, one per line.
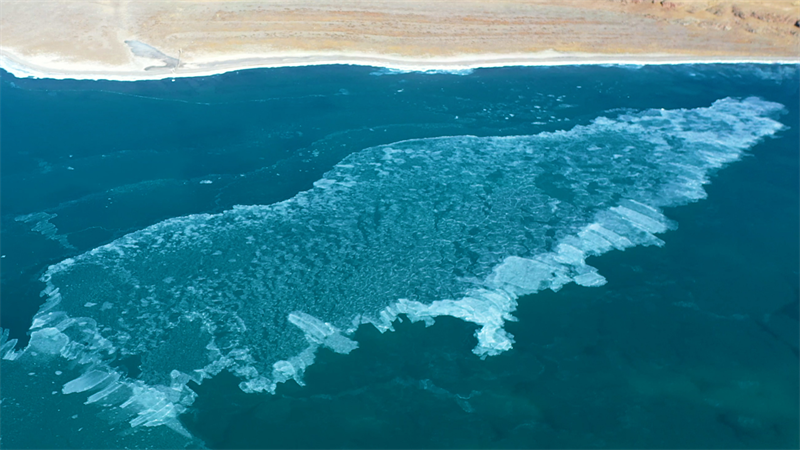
{"x":124,"y":40}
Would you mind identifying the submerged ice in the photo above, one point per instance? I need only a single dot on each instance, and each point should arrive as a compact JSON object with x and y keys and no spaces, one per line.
{"x":459,"y":226}
{"x":41,"y":224}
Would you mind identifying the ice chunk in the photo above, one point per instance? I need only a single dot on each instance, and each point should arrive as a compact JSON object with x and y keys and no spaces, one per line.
{"x":48,"y":341}
{"x":522,"y":276}
{"x":617,"y":241}
{"x":89,"y":380}
{"x":106,"y":392}
{"x":7,"y":346}
{"x":321,"y":333}
{"x":590,"y":279}
{"x":487,"y":308}
{"x":640,"y":220}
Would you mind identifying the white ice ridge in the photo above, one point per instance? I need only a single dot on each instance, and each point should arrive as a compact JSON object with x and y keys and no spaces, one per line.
{"x":460,"y":226}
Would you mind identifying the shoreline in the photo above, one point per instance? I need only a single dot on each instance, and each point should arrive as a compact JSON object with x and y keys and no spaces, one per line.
{"x":20,"y":68}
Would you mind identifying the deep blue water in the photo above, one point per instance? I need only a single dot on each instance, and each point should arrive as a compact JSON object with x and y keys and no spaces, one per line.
{"x":693,"y":344}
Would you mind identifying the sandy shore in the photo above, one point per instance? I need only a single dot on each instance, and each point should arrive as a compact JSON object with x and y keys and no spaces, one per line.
{"x":25,"y":69}
{"x":130,"y":40}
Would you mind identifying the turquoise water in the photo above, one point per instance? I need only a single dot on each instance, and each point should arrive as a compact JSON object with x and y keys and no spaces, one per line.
{"x":433,"y":181}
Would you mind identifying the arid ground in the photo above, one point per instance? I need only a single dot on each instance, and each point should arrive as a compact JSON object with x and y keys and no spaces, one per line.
{"x":92,"y":35}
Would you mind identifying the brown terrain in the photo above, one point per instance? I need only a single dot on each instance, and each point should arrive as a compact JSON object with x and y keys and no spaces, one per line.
{"x":58,"y":34}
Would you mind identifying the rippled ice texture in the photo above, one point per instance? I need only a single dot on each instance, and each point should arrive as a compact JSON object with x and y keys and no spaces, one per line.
{"x":456,"y":226}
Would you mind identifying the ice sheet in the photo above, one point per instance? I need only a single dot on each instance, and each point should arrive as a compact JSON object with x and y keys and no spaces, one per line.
{"x":459,"y":226}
